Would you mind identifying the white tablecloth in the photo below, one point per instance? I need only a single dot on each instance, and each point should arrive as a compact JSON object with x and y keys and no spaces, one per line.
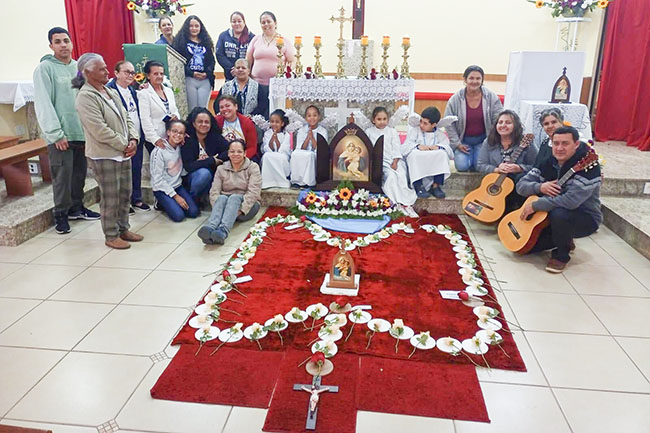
{"x":576,"y":114}
{"x":345,"y":89}
{"x":16,"y":93}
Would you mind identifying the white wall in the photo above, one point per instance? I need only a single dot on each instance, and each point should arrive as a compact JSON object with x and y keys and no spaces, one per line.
{"x":446,"y":35}
{"x":23,"y":29}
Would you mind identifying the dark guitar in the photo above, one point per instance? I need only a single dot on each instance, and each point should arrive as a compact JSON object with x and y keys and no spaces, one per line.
{"x":519,"y":235}
{"x":487,"y":203}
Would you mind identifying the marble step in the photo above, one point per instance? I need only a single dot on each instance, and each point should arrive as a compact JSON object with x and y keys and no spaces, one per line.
{"x":629,"y":218}
{"x":612,"y":186}
{"x":22,"y":218}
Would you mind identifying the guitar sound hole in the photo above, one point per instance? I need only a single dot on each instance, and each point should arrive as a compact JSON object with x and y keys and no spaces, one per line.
{"x":494,"y":189}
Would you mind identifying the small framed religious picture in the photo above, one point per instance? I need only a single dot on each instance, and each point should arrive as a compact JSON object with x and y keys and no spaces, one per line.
{"x":343,"y":270}
{"x":561,"y":90}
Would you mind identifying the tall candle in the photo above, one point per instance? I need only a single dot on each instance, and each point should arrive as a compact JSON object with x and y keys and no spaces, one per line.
{"x":317,"y":40}
{"x":364,"y":41}
{"x":406,"y":40}
{"x":298,"y":40}
{"x":385,"y":40}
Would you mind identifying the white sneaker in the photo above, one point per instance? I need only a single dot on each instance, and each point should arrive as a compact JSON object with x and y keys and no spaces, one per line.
{"x":410,"y":211}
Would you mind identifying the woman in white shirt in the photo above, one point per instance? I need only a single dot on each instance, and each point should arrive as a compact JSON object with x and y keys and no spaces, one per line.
{"x":157,"y":105}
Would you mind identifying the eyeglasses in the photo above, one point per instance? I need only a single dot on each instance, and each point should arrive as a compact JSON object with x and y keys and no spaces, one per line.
{"x":176,"y":131}
{"x":129,"y":72}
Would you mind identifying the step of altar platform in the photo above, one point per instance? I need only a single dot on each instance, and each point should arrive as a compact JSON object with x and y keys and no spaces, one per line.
{"x":629,"y":218}
{"x":22,"y":218}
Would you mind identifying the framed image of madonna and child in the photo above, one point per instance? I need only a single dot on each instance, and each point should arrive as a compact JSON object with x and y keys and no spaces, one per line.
{"x":350,"y":156}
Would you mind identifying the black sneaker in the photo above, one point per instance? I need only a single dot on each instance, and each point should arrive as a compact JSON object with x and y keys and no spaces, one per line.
{"x":141,"y":206}
{"x":61,"y":225}
{"x":204,"y":233}
{"x":156,"y":206}
{"x":83,"y":214}
{"x":438,"y":192}
{"x":131,"y":210}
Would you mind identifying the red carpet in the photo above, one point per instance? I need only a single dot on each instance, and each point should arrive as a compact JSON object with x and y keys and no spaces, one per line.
{"x":419,"y":388}
{"x":400,"y":279}
{"x":337,"y":412}
{"x":231,"y":376}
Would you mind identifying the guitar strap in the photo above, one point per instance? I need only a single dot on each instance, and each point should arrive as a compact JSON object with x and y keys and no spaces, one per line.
{"x":507,"y":154}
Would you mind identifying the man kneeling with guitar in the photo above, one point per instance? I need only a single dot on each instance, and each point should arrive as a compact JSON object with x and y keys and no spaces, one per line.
{"x":570,"y":193}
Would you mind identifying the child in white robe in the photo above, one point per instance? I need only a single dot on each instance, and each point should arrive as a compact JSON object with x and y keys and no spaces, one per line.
{"x":303,"y":157}
{"x":394,"y":179}
{"x":276,"y":148}
{"x":427,"y":152}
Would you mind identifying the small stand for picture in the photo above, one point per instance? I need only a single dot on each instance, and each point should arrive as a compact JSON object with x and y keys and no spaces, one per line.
{"x":342,"y":278}
{"x":315,"y":389}
{"x":561,"y":90}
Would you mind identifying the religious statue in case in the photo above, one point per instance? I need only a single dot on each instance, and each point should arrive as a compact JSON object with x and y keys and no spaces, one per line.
{"x":562,"y":89}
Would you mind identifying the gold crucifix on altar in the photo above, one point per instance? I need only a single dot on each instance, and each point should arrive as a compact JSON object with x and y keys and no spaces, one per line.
{"x":341,"y":19}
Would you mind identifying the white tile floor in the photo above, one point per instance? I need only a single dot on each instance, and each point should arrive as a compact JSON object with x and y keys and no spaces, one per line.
{"x":70,"y":362}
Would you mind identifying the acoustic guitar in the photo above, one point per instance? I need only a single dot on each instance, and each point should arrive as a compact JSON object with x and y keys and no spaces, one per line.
{"x":519,"y":236}
{"x":487,"y":203}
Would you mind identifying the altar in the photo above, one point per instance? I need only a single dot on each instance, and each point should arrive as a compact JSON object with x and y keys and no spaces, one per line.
{"x":342,"y":90}
{"x":19,"y":95}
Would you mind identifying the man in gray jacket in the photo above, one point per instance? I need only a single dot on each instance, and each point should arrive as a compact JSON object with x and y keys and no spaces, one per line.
{"x":573,"y":206}
{"x":54,"y":101}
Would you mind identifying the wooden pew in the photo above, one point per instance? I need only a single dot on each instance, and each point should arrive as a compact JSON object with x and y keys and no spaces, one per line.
{"x":8,"y":141}
{"x":13,"y":162}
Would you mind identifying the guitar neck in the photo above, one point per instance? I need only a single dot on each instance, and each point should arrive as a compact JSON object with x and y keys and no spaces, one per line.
{"x":517,"y":153}
{"x":564,"y":179}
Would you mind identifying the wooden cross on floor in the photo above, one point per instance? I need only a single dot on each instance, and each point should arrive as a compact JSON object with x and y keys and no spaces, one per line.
{"x":315,"y":389}
{"x":341,"y":19}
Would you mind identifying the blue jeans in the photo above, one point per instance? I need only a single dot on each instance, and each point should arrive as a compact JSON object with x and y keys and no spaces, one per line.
{"x":136,"y":175}
{"x":175,"y":212}
{"x":467,"y":161}
{"x":199,"y":182}
{"x":226,"y":210}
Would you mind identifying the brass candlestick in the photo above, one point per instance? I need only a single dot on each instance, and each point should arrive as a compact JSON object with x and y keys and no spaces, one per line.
{"x":383,"y":71}
{"x":279,"y":43}
{"x":363,"y":70}
{"x":340,"y":72}
{"x":405,"y":66}
{"x":298,"y":45}
{"x":318,"y":68}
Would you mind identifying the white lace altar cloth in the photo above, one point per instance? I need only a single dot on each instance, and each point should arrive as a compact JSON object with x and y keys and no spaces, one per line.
{"x":16,"y":93}
{"x":345,"y":89}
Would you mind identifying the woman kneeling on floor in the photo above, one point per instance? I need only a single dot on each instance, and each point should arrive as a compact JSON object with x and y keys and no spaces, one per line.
{"x":235,"y":194}
{"x":166,"y":169}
